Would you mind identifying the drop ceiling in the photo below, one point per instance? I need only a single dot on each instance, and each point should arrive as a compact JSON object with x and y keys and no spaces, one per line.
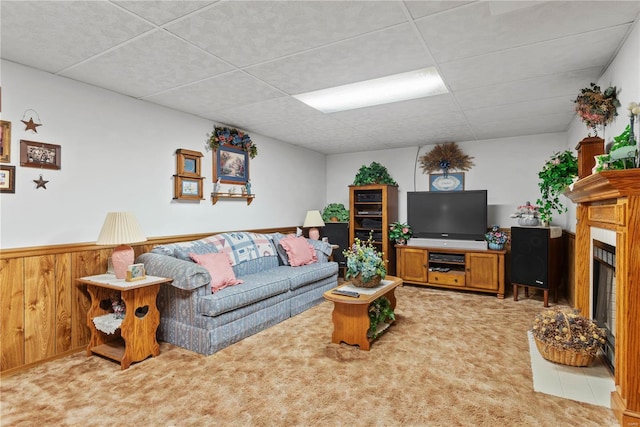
{"x":512,"y":67}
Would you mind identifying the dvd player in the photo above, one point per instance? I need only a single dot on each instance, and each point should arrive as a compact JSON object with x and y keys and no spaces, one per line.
{"x":446,"y":257}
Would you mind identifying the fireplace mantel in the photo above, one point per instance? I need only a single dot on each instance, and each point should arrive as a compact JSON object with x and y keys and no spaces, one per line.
{"x":611,"y":200}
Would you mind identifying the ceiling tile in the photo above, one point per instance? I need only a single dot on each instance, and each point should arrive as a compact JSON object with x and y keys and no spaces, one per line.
{"x":420,"y":8}
{"x":53,"y":35}
{"x":522,"y":126}
{"x":161,"y":11}
{"x":152,"y":63}
{"x":217,"y":93}
{"x":269,"y":29}
{"x":377,"y":54}
{"x":536,"y":60}
{"x":532,"y":109}
{"x":485,"y":32}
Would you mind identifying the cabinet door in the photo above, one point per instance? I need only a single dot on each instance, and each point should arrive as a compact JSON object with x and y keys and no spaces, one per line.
{"x":412,"y":264}
{"x":482,"y":271}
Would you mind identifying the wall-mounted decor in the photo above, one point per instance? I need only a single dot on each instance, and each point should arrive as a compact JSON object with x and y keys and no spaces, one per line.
{"x":40,"y":155}
{"x":5,"y":141}
{"x":7,"y":179}
{"x":445,"y":157}
{"x":231,"y":165}
{"x":31,"y":124}
{"x":452,"y":181}
{"x":41,"y":183}
{"x":232,"y":137}
{"x":188,"y":181}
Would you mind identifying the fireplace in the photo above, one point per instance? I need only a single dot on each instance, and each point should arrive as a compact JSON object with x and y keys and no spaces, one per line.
{"x":603,"y":306}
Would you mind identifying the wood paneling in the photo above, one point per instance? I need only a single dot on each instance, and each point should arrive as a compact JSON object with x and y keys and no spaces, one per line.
{"x":44,"y":310}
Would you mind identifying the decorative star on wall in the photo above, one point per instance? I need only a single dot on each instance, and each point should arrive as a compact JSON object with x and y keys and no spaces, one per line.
{"x":40,"y":183}
{"x":31,"y":125}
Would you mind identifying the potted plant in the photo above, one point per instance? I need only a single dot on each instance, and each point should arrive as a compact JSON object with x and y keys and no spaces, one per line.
{"x":556,"y":175}
{"x":596,"y":108}
{"x":527,"y":214}
{"x":400,"y":232}
{"x":496,"y":238}
{"x":335,"y":212}
{"x":365,"y":264}
{"x":375,"y":173}
{"x":380,"y":311}
{"x":563,"y":336}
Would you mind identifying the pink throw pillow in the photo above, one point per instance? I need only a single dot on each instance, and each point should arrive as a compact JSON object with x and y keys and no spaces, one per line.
{"x":219,"y":267}
{"x":299,"y":251}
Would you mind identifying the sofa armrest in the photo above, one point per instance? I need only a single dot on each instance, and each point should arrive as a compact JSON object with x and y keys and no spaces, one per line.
{"x":323,"y":249}
{"x":186,"y":275}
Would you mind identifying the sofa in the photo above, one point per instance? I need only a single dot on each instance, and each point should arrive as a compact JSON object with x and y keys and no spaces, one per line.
{"x":198,"y":314}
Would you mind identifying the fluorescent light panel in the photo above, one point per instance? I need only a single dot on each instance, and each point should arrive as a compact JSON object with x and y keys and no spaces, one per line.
{"x":384,"y":90}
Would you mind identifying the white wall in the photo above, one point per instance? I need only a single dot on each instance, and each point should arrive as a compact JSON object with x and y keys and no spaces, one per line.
{"x":506,"y":167}
{"x":118,"y":153}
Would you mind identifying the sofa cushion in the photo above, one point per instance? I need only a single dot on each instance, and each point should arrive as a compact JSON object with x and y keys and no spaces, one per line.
{"x":219,"y":267}
{"x":299,"y":251}
{"x":186,"y":275}
{"x":198,"y":247}
{"x":307,"y":274}
{"x":282,"y":253}
{"x":256,"y":287}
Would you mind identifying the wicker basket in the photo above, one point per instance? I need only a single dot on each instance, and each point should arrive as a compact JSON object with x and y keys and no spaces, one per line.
{"x":564,"y":357}
{"x":357,"y":281}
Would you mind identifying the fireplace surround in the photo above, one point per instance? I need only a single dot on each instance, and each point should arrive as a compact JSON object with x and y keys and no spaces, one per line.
{"x":610,"y":200}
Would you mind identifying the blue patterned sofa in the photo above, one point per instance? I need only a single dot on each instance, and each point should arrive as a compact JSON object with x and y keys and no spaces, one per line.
{"x":193,"y":317}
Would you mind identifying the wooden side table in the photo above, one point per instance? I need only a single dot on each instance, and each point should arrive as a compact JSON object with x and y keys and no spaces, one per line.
{"x":351,"y":315}
{"x":136,"y":338}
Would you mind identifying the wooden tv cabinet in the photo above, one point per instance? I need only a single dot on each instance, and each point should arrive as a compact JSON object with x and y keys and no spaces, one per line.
{"x":465,"y":269}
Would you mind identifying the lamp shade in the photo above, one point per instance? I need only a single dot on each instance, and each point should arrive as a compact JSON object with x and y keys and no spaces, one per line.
{"x":313,"y":219}
{"x":121,"y":228}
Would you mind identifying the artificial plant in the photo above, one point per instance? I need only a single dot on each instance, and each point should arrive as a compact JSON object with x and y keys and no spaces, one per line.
{"x":375,"y":173}
{"x":335,"y":210}
{"x":380,"y":311}
{"x":556,"y":175}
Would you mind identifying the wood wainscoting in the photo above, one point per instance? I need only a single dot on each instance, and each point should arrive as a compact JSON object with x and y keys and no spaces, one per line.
{"x":44,"y":311}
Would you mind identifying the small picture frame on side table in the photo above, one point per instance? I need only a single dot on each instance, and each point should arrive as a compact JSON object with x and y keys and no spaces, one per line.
{"x":40,"y":155}
{"x":135,"y":272}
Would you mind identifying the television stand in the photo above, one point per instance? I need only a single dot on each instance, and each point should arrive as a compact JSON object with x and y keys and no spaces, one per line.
{"x":477,"y":270}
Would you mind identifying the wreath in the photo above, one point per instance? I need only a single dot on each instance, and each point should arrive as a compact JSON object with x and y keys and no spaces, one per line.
{"x":596,"y":108}
{"x":445,"y":156}
{"x":232,"y":137}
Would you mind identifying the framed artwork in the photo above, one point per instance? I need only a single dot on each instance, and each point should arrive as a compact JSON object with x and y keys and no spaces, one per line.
{"x":39,"y":155}
{"x":5,"y":142}
{"x":135,"y":272}
{"x":188,"y":162}
{"x":454,"y":181}
{"x":7,"y":179}
{"x":230,"y":165}
{"x":187,"y":188}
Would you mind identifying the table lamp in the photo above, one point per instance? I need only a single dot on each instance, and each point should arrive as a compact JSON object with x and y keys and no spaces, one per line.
{"x":121,"y":228}
{"x":313,"y":220}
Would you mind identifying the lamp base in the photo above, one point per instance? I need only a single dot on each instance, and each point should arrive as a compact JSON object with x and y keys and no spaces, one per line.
{"x":314,"y":234}
{"x":122,"y":257}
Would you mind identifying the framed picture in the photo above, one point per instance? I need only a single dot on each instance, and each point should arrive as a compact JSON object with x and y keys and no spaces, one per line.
{"x":187,"y":188}
{"x":39,"y":155}
{"x":231,"y":165}
{"x":5,"y":142}
{"x":188,"y":162}
{"x":135,"y":272}
{"x":7,"y":179}
{"x":454,"y":181}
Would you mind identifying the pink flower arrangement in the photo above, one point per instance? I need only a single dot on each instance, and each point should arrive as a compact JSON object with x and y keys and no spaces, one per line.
{"x":496,"y":236}
{"x":596,"y":108}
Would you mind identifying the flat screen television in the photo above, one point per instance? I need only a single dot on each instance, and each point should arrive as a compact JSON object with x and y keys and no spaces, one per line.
{"x":457,"y":215}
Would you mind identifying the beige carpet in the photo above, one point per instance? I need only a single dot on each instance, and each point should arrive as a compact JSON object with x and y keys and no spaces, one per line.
{"x":451,"y":359}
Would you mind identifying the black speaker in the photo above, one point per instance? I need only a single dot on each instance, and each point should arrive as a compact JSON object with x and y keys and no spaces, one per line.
{"x":338,"y":234}
{"x":530,"y":256}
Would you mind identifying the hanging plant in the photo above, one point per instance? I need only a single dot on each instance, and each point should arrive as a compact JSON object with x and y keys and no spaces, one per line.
{"x":232,"y":137}
{"x":596,"y":108}
{"x":445,"y":157}
{"x":556,"y":175}
{"x":375,"y":173}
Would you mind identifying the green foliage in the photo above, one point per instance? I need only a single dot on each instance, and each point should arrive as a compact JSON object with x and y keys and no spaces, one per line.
{"x":556,"y":175}
{"x":336,"y":210}
{"x":363,"y":258}
{"x":375,"y":173}
{"x":380,"y":311}
{"x":400,"y":230}
{"x":607,"y":163}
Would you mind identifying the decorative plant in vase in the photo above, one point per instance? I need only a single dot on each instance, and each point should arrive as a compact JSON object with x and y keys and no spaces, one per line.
{"x":562,"y":335}
{"x":365,"y":264}
{"x":375,"y":173}
{"x":380,"y":311}
{"x":527,"y":214}
{"x":596,"y":108}
{"x":496,"y":238}
{"x":556,"y":175}
{"x":400,"y":232}
{"x":337,"y":211}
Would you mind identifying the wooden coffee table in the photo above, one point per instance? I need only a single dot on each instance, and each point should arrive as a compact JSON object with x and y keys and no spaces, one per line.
{"x":351,"y":315}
